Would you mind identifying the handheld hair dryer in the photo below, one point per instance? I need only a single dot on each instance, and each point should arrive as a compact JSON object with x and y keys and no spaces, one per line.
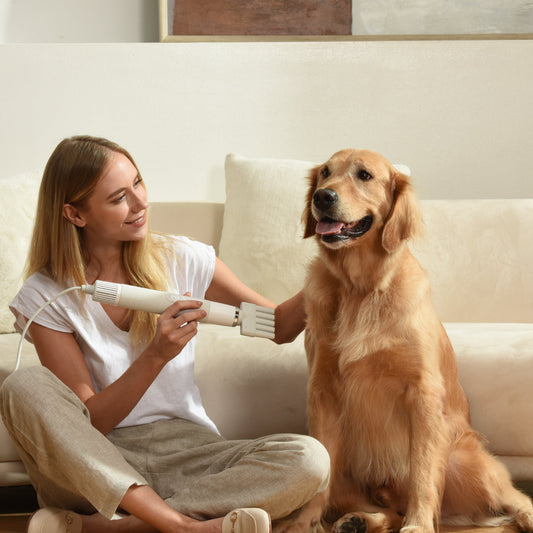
{"x":254,"y":320}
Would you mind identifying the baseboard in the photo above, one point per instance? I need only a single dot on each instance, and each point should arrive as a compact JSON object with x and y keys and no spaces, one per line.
{"x":18,"y":500}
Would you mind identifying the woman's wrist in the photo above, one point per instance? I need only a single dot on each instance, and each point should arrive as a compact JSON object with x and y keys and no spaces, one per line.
{"x":154,"y":358}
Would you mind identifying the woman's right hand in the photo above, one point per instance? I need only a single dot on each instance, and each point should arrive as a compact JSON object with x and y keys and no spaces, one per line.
{"x":176,"y":326}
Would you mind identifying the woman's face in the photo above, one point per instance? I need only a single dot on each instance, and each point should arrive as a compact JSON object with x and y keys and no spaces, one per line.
{"x":116,"y":211}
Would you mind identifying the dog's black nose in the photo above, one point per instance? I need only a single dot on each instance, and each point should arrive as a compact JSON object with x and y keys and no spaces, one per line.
{"x":325,"y":198}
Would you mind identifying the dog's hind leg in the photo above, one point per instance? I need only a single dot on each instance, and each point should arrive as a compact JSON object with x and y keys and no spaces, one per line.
{"x":505,"y":499}
{"x":479,"y":490}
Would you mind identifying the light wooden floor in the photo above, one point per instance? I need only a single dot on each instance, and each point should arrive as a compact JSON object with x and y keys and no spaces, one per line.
{"x":16,"y":505}
{"x":13,"y":524}
{"x":17,"y":524}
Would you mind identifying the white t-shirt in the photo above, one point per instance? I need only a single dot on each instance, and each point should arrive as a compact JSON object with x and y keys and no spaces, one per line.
{"x":109,"y":351}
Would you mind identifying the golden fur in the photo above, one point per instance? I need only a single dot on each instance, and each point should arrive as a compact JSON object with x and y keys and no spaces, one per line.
{"x":383,"y":394}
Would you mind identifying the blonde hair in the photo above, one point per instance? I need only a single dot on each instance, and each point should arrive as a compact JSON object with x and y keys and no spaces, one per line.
{"x":70,"y":177}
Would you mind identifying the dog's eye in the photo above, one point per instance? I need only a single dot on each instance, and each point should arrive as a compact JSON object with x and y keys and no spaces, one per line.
{"x":325,"y":172}
{"x":363,"y":175}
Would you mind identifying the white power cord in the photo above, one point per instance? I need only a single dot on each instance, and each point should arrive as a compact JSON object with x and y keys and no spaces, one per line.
{"x":26,"y":327}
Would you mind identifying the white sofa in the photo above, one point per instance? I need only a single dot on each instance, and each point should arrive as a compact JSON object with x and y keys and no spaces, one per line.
{"x":477,"y":253}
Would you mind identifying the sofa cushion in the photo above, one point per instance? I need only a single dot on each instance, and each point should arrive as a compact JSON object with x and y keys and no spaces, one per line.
{"x":494,"y":365}
{"x":479,"y":259}
{"x":262,"y":235}
{"x":17,"y":211}
{"x":251,"y":386}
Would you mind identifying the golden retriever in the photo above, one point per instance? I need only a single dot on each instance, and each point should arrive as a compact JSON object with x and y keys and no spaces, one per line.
{"x":383,"y":392}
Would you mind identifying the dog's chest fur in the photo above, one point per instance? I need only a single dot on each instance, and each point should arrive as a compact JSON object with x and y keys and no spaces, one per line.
{"x":356,"y":336}
{"x":357,"y":310}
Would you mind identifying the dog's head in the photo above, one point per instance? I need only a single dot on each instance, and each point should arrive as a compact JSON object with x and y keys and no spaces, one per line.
{"x":358,"y":194}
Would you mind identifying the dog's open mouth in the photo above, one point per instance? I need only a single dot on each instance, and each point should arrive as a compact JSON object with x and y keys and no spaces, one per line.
{"x":335,"y":230}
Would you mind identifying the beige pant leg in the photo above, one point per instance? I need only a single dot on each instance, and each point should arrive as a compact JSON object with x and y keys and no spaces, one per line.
{"x":196,"y":471}
{"x":71,"y":464}
{"x":202,"y":475}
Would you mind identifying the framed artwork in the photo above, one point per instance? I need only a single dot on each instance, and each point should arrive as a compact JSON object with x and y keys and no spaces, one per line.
{"x":263,"y":20}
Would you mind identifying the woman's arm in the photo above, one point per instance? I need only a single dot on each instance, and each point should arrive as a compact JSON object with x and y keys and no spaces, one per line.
{"x":61,"y":354}
{"x":227,"y":288}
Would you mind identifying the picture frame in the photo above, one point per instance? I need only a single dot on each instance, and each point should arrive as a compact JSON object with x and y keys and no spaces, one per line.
{"x":168,"y":33}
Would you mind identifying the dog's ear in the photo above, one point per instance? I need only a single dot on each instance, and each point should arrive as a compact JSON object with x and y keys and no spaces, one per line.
{"x":405,"y":219}
{"x":307,"y":216}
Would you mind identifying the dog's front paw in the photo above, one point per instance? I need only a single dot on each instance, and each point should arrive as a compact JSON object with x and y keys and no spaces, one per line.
{"x":524,"y":522}
{"x":350,"y":523}
{"x":382,"y":522}
{"x":415,"y":529}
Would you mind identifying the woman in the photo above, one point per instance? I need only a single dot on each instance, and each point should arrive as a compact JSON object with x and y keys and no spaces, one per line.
{"x":113,"y":419}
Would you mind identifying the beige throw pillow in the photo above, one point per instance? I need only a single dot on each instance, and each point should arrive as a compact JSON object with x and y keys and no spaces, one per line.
{"x":262,"y":236}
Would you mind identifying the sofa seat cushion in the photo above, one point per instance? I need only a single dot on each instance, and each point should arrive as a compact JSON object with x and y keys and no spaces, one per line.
{"x":9,"y":343}
{"x":495,"y":364}
{"x":13,"y":473}
{"x":252,"y":386}
{"x":8,"y":354}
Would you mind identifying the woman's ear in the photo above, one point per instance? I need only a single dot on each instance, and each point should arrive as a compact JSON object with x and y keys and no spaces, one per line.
{"x":404,"y":220}
{"x":73,"y":215}
{"x":307,"y":216}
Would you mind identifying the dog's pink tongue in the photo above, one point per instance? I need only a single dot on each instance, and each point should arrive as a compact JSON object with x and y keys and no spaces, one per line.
{"x":328,"y":227}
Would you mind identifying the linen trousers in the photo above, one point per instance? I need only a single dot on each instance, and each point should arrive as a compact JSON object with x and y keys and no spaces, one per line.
{"x":196,"y":471}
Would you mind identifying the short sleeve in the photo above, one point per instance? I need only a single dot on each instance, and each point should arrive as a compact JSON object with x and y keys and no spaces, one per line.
{"x":191,"y":266}
{"x":37,"y":291}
